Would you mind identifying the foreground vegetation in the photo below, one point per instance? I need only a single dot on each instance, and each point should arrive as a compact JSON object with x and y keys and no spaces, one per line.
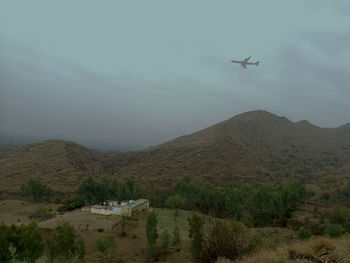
{"x":219,"y":222}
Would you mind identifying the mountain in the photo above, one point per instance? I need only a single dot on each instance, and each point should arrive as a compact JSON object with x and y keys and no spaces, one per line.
{"x":252,"y":146}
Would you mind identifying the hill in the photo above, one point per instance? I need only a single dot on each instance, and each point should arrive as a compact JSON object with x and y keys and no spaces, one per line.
{"x":57,"y":163}
{"x":252,"y":146}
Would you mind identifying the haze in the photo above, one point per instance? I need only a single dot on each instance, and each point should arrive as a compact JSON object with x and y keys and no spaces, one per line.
{"x":143,"y":72}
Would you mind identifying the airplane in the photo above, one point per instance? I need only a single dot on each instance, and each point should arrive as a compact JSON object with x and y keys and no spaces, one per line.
{"x":245,"y":62}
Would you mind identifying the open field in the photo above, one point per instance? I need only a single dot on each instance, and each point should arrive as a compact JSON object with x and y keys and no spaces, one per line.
{"x":91,"y":227}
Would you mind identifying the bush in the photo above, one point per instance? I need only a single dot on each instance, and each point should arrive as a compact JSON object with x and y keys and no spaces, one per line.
{"x":304,"y":233}
{"x":334,"y":231}
{"x":40,"y":214}
{"x":71,"y":205}
{"x":229,"y":239}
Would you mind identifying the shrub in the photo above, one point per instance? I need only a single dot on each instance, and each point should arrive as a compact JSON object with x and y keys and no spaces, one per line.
{"x":334,"y":231}
{"x":229,"y":239}
{"x":40,"y":214}
{"x":71,"y":205}
{"x":304,"y":233}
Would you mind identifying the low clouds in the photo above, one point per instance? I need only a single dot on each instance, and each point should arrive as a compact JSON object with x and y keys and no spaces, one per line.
{"x":302,"y":81}
{"x":44,"y":96}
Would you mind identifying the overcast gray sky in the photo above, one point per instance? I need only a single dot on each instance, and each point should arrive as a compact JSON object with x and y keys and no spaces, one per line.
{"x":143,"y":72}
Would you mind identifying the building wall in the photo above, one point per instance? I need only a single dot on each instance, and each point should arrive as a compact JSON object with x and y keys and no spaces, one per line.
{"x":140,"y":207}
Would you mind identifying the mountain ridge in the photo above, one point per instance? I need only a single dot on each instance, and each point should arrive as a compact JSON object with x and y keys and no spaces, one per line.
{"x":251,"y":146}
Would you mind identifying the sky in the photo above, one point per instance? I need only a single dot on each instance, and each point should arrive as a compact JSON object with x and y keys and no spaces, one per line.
{"x":144,"y":72}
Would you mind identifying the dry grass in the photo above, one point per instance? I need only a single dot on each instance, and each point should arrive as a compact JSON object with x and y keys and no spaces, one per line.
{"x":319,"y":250}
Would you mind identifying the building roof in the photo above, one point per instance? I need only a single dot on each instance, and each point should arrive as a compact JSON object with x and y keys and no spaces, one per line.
{"x":128,"y":204}
{"x":138,"y":202}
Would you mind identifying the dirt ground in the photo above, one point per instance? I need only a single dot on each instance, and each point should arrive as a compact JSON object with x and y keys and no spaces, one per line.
{"x":17,"y":211}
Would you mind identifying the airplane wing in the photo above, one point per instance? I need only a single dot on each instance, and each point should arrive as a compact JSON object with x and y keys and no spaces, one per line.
{"x":243,"y":65}
{"x":247,"y":58}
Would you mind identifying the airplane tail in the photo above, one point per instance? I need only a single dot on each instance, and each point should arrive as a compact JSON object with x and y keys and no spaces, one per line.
{"x":257,"y":63}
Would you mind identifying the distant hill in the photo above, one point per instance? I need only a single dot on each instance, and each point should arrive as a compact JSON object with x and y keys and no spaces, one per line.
{"x":58,"y":163}
{"x":252,"y":146}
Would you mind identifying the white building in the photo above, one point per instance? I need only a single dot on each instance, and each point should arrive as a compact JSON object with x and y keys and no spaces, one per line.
{"x":123,"y":209}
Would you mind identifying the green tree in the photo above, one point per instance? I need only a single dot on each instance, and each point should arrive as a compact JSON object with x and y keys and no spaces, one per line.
{"x":175,"y":202}
{"x":80,"y":248}
{"x":176,"y":237}
{"x":37,"y":191}
{"x":105,"y":245}
{"x":152,"y":234}
{"x":29,"y":245}
{"x":65,"y":239}
{"x":52,"y":248}
{"x":6,"y":237}
{"x":88,"y":191}
{"x":165,"y":239}
{"x":196,"y":233}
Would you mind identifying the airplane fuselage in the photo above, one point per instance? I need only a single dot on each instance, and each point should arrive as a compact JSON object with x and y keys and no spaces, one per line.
{"x":245,"y":62}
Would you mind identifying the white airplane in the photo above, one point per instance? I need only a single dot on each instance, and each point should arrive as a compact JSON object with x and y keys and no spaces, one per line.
{"x":245,"y":62}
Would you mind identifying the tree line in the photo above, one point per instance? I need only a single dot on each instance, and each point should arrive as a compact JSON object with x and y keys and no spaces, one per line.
{"x":255,"y":204}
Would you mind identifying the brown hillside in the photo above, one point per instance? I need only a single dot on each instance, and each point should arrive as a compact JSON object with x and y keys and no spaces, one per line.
{"x":57,"y":163}
{"x":251,"y":146}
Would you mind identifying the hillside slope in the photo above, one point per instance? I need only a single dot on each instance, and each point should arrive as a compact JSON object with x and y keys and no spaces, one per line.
{"x":57,"y":163}
{"x":252,"y":146}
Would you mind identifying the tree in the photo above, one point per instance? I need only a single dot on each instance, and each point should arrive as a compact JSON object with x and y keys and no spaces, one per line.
{"x":88,"y":191}
{"x":52,"y":248}
{"x":152,"y":235}
{"x":80,"y":248}
{"x":176,"y":237}
{"x":65,"y":239}
{"x":22,"y":243}
{"x":37,"y":191}
{"x":196,"y":233}
{"x":6,"y":235}
{"x":175,"y":202}
{"x":165,"y":239}
{"x":105,"y":245}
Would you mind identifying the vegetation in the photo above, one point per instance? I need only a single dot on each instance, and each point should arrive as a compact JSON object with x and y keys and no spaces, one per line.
{"x":175,"y":202}
{"x":41,"y":214}
{"x":80,"y":248}
{"x":152,"y":234}
{"x":65,"y":238}
{"x":92,"y":192}
{"x":71,"y":205}
{"x":22,"y":243}
{"x":105,"y":245}
{"x":37,"y":191}
{"x":165,"y":239}
{"x":262,"y":204}
{"x":176,"y":237}
{"x":304,"y":233}
{"x":334,"y":231}
{"x":229,"y":239}
{"x":196,"y":224}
